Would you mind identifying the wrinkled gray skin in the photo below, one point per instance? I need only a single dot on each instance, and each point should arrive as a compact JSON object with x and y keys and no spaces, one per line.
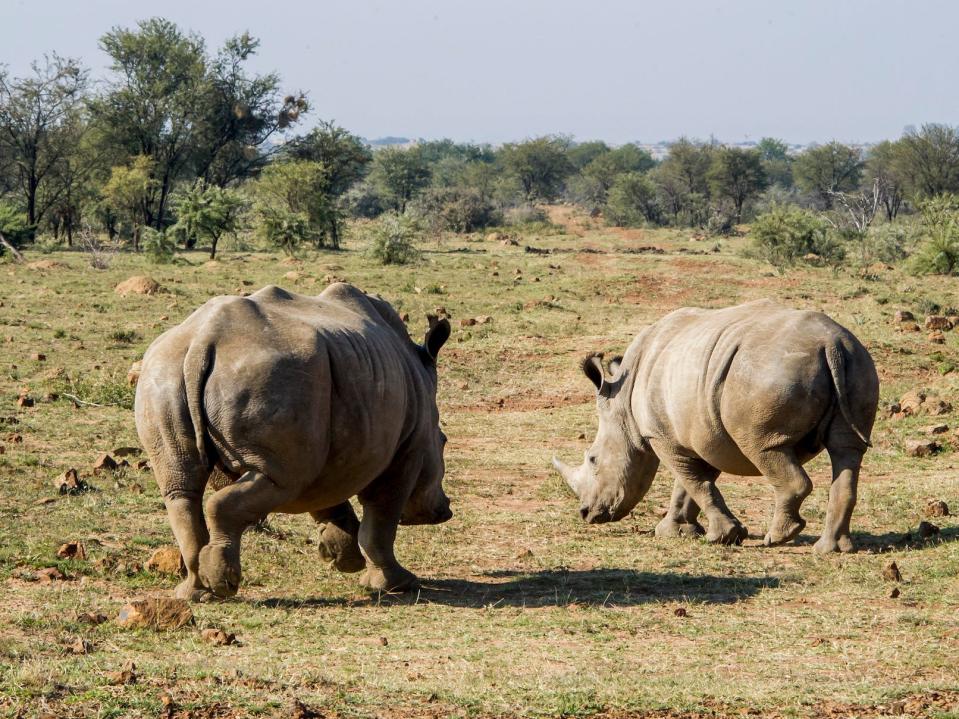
{"x":288,"y":403}
{"x":756,"y":389}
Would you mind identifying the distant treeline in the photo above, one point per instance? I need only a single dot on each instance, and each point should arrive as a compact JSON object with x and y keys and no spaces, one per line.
{"x":182,"y":144}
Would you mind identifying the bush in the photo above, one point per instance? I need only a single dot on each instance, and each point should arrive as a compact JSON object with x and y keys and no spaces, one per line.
{"x":454,"y":209}
{"x":890,"y":242}
{"x":282,"y":228}
{"x":392,"y":240}
{"x":363,"y":201}
{"x":159,"y":248}
{"x":787,"y":234}
{"x":525,"y":215}
{"x":939,"y":236}
{"x":632,"y":201}
{"x":14,"y":226}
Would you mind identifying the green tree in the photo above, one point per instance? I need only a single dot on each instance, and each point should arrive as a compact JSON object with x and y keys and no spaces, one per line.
{"x":399,"y":174}
{"x":939,"y":232}
{"x":736,"y":175}
{"x":208,"y":212}
{"x":633,"y":201}
{"x":785,"y":235}
{"x":825,"y":169}
{"x":540,"y":166}
{"x":581,"y":154}
{"x":927,"y":161}
{"x":777,"y":164}
{"x":883,"y":169}
{"x":128,"y":190}
{"x":40,"y":125}
{"x":294,"y":195}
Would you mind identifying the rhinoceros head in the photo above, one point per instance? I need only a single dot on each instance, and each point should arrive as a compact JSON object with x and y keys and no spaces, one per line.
{"x":428,"y":503}
{"x":617,"y":470}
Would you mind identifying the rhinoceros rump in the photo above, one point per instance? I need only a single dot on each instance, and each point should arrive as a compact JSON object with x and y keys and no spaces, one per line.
{"x":294,"y":404}
{"x":752,"y":389}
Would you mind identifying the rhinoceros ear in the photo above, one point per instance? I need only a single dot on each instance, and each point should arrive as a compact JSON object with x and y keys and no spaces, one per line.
{"x":614,"y":364}
{"x":593,"y":369}
{"x":436,"y":337}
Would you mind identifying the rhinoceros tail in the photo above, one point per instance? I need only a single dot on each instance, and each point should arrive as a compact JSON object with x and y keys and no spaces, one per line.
{"x":196,"y":368}
{"x":836,"y":360}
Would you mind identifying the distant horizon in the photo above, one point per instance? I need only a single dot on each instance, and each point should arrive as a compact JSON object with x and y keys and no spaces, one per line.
{"x":857,"y":72}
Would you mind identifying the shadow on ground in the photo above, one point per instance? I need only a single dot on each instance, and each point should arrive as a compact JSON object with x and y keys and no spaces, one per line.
{"x":562,"y":588}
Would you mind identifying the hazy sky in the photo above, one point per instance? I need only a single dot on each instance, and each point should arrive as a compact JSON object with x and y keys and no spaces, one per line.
{"x":496,"y":70}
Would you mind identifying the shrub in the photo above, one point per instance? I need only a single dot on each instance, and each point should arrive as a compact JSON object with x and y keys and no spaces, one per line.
{"x":159,"y":248}
{"x":890,"y":242}
{"x":454,"y":209}
{"x":525,"y":215}
{"x":14,"y":226}
{"x":392,"y":240}
{"x":939,"y":236}
{"x":632,"y":201}
{"x":787,"y":234}
{"x":282,"y":228}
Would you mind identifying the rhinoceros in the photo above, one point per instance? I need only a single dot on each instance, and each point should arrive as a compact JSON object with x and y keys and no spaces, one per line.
{"x":755,"y":389}
{"x":290,"y":403}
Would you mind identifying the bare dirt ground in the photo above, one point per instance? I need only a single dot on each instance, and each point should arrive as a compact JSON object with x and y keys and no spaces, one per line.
{"x":524,"y":610}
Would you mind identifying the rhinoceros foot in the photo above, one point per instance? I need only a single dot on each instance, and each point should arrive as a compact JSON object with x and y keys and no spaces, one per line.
{"x":726,"y":533}
{"x":188,"y":590}
{"x":340,"y":548}
{"x":391,"y":579}
{"x":783,"y":529}
{"x":669,"y":527}
{"x":826,"y":545}
{"x":220,"y":570}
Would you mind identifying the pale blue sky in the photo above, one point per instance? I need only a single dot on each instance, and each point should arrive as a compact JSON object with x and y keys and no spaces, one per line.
{"x":496,"y":70}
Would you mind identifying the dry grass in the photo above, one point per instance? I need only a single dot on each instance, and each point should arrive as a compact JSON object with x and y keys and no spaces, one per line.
{"x":524,"y":610}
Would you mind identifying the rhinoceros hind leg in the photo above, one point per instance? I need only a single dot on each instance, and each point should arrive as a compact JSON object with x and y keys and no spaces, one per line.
{"x":338,"y":544}
{"x":681,"y":518}
{"x":791,"y":485}
{"x":229,"y":512}
{"x":185,"y":511}
{"x":376,"y":537}
{"x":842,"y":499}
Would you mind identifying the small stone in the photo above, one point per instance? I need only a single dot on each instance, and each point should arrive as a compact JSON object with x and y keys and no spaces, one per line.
{"x":124,"y":676}
{"x":937,"y":322}
{"x":94,"y":618}
{"x":681,"y":612}
{"x":936,"y":406}
{"x":910,"y":327}
{"x":384,"y":641}
{"x":104,"y":463}
{"x":127,"y":452}
{"x":80,"y":646}
{"x":405,"y":317}
{"x":894,"y":593}
{"x":891,"y":573}
{"x":921,"y":447}
{"x":133,"y":375}
{"x":218,"y":637}
{"x":157,"y":613}
{"x":51,"y":574}
{"x":937,"y":337}
{"x":72,"y":550}
{"x":935,"y":429}
{"x":70,"y":483}
{"x":483,"y":320}
{"x":927,"y":529}
{"x":142,"y":464}
{"x":15,"y":438}
{"x":38,"y":357}
{"x":904,"y":316}
{"x":24,"y":400}
{"x":937,"y":508}
{"x":166,"y":560}
{"x":468,"y":322}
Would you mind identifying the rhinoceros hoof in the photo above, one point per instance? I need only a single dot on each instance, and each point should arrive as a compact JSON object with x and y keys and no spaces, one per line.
{"x":188,"y":590}
{"x":219,"y":571}
{"x":670,"y":528}
{"x":826,"y":545}
{"x":394,"y":579}
{"x":340,"y":549}
{"x":730,"y":534}
{"x":782,"y":530}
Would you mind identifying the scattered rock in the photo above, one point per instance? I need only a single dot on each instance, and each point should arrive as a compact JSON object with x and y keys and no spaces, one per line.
{"x":166,"y":560}
{"x":80,"y":646}
{"x":38,"y":357}
{"x":24,"y":400}
{"x":894,"y":594}
{"x":463,"y":384}
{"x":384,"y":642}
{"x":681,"y":612}
{"x":910,"y":327}
{"x":509,"y":242}
{"x":927,"y":529}
{"x":937,"y":322}
{"x":468,"y":322}
{"x":70,"y":483}
{"x":51,"y":574}
{"x":45,"y":265}
{"x":218,"y":637}
{"x":94,"y":618}
{"x":126,"y":675}
{"x":483,"y":319}
{"x":44,"y":500}
{"x":72,"y":550}
{"x":937,"y":508}
{"x":937,"y":337}
{"x":104,"y":463}
{"x":936,"y":407}
{"x":15,"y":438}
{"x":922,"y":447}
{"x":302,"y":711}
{"x":935,"y":429}
{"x":139,"y":285}
{"x":142,"y":464}
{"x":133,"y":375}
{"x":157,"y":613}
{"x":405,"y":317}
{"x":127,"y":452}
{"x":891,"y":573}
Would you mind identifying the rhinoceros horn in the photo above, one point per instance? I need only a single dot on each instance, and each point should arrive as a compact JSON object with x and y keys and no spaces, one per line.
{"x":570,"y":474}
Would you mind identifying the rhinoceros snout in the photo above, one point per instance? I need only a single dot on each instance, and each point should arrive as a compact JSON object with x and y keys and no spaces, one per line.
{"x":595,"y":516}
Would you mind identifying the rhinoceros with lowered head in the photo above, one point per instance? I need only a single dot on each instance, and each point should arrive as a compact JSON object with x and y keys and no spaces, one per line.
{"x":755,"y":389}
{"x":291,"y":403}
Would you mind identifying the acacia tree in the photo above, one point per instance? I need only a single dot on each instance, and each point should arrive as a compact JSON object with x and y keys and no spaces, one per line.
{"x":399,"y":174}
{"x":826,"y":169}
{"x":40,"y":125}
{"x":883,"y":171}
{"x":128,"y":190}
{"x":207,"y":212}
{"x":540,"y":166}
{"x":776,"y":162}
{"x":928,"y":161}
{"x":737,"y":175}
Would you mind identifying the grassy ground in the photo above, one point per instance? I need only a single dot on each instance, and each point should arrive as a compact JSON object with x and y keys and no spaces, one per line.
{"x":525,"y":610}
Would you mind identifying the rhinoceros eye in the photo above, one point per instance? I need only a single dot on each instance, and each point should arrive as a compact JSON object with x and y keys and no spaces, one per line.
{"x":592,"y":459}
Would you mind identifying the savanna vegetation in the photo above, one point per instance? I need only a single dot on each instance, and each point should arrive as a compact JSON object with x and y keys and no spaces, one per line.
{"x":115,"y":197}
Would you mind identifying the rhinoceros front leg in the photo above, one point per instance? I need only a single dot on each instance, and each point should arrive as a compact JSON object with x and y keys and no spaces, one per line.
{"x":842,"y":499}
{"x":681,"y":517}
{"x":229,"y":512}
{"x":338,"y":543}
{"x":699,"y":481}
{"x":376,"y":537}
{"x":791,"y":485}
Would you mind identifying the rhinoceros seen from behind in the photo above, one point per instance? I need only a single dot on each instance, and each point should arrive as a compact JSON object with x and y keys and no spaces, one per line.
{"x":755,"y":389}
{"x":294,"y":404}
